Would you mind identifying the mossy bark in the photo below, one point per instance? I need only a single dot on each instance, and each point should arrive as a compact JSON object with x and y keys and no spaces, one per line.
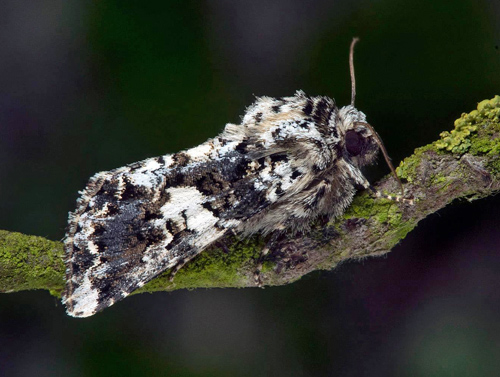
{"x":30,"y":262}
{"x":464,"y":163}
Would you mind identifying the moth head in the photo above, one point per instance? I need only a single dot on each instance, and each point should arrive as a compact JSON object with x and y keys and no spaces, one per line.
{"x":360,"y":145}
{"x":361,"y":141}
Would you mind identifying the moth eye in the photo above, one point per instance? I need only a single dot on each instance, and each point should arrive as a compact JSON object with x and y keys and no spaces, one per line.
{"x":353,"y":143}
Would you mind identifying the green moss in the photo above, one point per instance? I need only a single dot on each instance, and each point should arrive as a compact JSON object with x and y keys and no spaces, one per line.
{"x":494,"y":165}
{"x":212,"y":268}
{"x":459,"y":140}
{"x":394,"y":216}
{"x":361,"y":207}
{"x":440,"y":180}
{"x":364,"y":206}
{"x":408,"y":167}
{"x":30,"y":262}
{"x":399,"y":232}
{"x":440,"y":183}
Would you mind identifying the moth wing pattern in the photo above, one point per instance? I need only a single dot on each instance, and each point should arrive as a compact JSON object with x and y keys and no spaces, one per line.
{"x":135,"y":222}
{"x":284,"y":165}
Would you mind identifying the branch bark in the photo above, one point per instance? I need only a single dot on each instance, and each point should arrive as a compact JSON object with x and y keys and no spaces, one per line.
{"x":462,"y":164}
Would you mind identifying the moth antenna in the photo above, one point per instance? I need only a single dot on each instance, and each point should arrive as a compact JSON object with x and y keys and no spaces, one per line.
{"x":378,"y":139}
{"x":351,"y":67}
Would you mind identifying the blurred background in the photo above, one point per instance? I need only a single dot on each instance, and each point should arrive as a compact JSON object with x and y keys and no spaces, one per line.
{"x":91,"y":86}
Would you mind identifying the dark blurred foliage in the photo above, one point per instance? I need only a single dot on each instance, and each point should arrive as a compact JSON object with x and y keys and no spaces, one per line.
{"x":89,"y":86}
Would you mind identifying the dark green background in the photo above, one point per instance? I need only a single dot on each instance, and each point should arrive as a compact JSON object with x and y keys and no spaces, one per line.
{"x":90,"y":86}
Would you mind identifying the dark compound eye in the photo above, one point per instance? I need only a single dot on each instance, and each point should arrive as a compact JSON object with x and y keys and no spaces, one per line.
{"x":353,"y":143}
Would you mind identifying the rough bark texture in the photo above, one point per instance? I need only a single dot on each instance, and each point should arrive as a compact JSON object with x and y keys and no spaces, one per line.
{"x":463,"y":164}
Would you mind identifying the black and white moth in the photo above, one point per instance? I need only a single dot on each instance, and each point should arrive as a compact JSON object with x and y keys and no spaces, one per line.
{"x":290,"y":160}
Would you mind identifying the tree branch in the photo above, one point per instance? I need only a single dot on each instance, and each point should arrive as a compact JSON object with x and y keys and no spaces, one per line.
{"x":463,"y":163}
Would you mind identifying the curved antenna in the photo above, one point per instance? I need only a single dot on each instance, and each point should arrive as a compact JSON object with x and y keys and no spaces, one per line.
{"x":351,"y":68}
{"x":384,"y":152}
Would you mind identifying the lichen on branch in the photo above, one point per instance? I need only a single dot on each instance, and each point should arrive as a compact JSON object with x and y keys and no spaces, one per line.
{"x":463,"y":163}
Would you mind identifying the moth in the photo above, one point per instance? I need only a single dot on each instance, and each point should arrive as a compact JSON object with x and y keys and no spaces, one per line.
{"x":290,"y":160}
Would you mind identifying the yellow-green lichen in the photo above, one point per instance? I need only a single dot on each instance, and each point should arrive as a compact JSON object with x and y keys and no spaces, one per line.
{"x":459,"y":140}
{"x":486,"y":142}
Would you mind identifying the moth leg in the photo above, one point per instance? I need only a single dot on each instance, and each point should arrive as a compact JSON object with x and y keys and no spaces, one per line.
{"x":397,"y":198}
{"x":269,"y":245}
